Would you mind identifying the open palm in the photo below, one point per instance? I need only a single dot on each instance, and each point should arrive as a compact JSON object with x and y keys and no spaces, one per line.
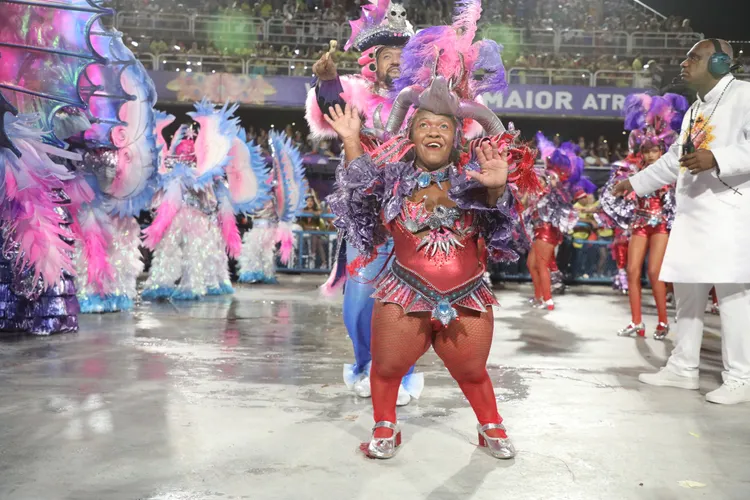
{"x":346,"y":123}
{"x":493,"y":166}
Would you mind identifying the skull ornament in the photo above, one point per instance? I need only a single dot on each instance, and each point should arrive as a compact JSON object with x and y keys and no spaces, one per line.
{"x":396,"y":16}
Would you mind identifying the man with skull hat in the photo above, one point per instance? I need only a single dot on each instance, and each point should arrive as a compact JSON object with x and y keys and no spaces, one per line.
{"x":379,"y":34}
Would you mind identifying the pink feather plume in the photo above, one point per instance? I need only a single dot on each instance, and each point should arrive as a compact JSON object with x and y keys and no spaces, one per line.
{"x":467,"y":14}
{"x":93,"y":234}
{"x":166,"y":212}
{"x":229,"y":230}
{"x":331,"y":287}
{"x":285,"y":236}
{"x":36,"y":227}
{"x":96,"y":239}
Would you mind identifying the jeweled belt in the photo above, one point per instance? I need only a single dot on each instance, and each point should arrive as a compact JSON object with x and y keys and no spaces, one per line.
{"x":443,"y":309}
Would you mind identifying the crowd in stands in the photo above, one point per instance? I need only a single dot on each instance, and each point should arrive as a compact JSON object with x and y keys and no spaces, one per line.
{"x":615,"y":15}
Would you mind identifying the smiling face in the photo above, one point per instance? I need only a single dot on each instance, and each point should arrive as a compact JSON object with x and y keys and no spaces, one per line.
{"x":388,"y":65}
{"x":433,"y":137}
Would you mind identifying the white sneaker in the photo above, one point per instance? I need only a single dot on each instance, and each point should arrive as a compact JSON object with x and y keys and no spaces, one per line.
{"x":362,"y":387}
{"x":403,"y":397}
{"x":667,"y":378}
{"x":730,"y":393}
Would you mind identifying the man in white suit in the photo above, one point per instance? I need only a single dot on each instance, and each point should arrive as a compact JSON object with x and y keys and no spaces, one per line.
{"x":710,"y":239}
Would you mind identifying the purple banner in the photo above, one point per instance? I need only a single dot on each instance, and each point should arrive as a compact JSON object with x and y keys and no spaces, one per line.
{"x":290,"y":92}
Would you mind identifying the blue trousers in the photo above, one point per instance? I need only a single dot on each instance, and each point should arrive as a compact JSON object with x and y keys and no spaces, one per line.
{"x":358,"y":305}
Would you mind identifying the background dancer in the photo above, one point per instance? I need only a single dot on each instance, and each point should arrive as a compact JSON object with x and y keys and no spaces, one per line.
{"x":116,"y":179}
{"x":273,"y":224}
{"x":550,"y":218}
{"x":651,"y":120}
{"x":41,"y":72}
{"x":207,"y":181}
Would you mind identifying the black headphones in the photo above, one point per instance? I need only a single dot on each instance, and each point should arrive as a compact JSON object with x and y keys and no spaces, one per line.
{"x":719,"y":64}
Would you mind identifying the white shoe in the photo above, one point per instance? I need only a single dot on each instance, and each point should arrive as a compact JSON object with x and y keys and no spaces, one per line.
{"x":362,"y":387}
{"x":730,"y":393}
{"x":404,"y":398}
{"x":667,"y":378}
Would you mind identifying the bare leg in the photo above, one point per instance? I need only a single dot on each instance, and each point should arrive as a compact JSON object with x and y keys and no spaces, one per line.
{"x":636,"y":256}
{"x":658,"y":247}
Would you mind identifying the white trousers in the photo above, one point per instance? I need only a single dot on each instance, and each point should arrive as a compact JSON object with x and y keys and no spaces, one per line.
{"x":734,"y":307}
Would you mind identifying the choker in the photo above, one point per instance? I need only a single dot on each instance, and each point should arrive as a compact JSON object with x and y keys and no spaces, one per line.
{"x":424,"y":179}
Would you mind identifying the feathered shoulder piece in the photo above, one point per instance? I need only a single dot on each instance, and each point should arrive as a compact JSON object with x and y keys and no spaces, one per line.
{"x":383,"y":22}
{"x":218,"y":129}
{"x":654,"y":120}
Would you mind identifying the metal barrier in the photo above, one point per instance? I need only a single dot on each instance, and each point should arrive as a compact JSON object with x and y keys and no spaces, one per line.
{"x":581,"y":261}
{"x":160,"y":24}
{"x":663,"y":44}
{"x":313,"y":253}
{"x":242,"y":31}
{"x":284,"y":32}
{"x":226,"y":31}
{"x":541,"y":76}
{"x":622,"y":79}
{"x":148,"y":60}
{"x":584,"y":261}
{"x":201,"y":64}
{"x":591,"y":42}
{"x":292,"y":66}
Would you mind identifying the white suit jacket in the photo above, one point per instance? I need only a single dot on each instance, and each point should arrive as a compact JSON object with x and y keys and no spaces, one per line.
{"x":710,"y":239}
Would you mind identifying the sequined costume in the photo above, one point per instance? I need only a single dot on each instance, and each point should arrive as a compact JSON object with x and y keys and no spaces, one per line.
{"x":257,"y":261}
{"x":433,"y":294}
{"x":651,"y":120}
{"x":273,"y":225}
{"x":204,"y":182}
{"x":619,"y":249}
{"x":45,"y":50}
{"x":116,"y":179}
{"x":552,"y":216}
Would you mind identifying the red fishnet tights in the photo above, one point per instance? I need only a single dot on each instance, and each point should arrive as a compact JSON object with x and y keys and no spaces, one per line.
{"x":540,"y":257}
{"x":399,"y":340}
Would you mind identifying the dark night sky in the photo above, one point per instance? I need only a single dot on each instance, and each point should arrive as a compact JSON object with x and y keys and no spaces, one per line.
{"x":715,"y":18}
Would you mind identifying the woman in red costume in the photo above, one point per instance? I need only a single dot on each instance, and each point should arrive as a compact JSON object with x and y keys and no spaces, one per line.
{"x":621,"y":170}
{"x":651,"y":120}
{"x":550,"y":217}
{"x":436,"y":205}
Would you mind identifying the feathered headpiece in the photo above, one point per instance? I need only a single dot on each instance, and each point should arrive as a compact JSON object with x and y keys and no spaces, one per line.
{"x":438,"y":68}
{"x":382,"y":23}
{"x":560,"y":161}
{"x":653,"y":120}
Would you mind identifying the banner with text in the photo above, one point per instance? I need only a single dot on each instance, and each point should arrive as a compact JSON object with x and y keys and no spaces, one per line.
{"x":290,"y":92}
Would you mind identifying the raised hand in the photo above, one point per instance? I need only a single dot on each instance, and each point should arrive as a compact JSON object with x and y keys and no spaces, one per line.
{"x":325,"y":68}
{"x":346,"y":123}
{"x":493,"y":165}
